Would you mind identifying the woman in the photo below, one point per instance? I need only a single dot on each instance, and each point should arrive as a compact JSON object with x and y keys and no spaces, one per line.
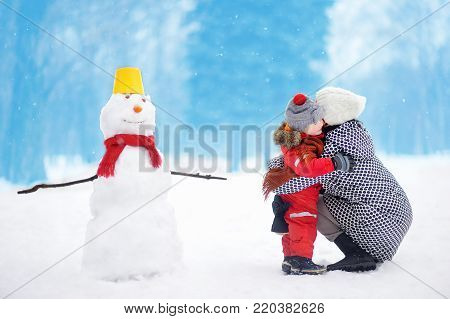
{"x":365,"y":211}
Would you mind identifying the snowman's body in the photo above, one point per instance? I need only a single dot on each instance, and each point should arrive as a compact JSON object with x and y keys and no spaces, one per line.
{"x":132,"y":217}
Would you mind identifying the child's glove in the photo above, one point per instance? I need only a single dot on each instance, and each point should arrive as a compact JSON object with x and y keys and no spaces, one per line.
{"x":343,"y":162}
{"x":279,"y":207}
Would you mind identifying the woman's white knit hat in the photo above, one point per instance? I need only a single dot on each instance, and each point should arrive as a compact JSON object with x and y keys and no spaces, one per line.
{"x":340,"y":105}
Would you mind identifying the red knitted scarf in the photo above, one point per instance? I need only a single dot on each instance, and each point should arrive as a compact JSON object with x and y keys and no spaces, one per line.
{"x":116,"y":144}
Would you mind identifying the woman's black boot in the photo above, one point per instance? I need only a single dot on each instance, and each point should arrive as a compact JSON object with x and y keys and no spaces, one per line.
{"x":356,"y":259}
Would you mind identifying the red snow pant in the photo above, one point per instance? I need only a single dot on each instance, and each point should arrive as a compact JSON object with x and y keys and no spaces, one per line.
{"x":302,"y":220}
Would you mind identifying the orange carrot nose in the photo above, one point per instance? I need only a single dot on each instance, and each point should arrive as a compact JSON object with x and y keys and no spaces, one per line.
{"x":137,"y":108}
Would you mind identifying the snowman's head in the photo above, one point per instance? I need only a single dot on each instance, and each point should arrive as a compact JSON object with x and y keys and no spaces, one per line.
{"x":128,"y":114}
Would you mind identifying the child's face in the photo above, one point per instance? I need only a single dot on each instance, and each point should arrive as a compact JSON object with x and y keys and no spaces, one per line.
{"x":314,"y":129}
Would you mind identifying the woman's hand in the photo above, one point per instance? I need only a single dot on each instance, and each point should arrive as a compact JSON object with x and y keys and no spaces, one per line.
{"x":343,"y":162}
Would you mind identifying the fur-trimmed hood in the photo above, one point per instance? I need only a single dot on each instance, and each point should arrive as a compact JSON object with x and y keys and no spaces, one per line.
{"x":288,"y":139}
{"x":340,"y":105}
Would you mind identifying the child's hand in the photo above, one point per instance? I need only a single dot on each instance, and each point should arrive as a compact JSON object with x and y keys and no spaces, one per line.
{"x":343,"y":162}
{"x":278,"y":206}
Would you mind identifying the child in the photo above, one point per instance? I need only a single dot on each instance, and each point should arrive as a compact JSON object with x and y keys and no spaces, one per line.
{"x":300,"y":138}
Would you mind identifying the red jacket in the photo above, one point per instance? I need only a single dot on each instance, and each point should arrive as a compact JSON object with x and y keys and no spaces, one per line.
{"x":316,"y":167}
{"x":307,"y":198}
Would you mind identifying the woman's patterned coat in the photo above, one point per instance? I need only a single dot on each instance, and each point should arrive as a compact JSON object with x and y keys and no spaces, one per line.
{"x":368,"y":203}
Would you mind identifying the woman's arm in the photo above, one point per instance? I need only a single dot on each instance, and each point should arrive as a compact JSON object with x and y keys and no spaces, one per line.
{"x":276,"y":162}
{"x":293,"y":185}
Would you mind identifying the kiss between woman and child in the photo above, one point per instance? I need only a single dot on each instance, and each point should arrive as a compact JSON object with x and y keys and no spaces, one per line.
{"x":300,"y":137}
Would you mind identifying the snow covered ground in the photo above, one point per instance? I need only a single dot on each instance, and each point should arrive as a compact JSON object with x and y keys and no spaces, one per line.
{"x":229,"y":251}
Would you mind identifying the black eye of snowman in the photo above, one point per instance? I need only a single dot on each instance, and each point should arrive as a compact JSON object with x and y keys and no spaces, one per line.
{"x":143,"y":100}
{"x":127,"y":96}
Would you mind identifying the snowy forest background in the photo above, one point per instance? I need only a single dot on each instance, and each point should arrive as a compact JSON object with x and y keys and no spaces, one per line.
{"x":215,"y":62}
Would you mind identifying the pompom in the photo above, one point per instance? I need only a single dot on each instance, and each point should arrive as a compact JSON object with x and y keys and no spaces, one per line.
{"x":299,"y":99}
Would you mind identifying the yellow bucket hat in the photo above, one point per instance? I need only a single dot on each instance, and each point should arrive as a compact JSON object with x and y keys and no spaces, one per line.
{"x":128,"y":80}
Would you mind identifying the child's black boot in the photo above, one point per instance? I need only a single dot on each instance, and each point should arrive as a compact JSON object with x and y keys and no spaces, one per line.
{"x":297,"y":265}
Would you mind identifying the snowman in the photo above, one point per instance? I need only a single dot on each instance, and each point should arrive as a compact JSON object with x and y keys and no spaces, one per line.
{"x":132,"y":233}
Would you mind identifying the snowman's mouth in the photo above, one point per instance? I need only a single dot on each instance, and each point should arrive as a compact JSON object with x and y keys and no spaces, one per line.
{"x":134,"y":122}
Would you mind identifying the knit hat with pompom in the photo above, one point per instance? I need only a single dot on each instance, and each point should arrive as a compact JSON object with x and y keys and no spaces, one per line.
{"x":301,"y":111}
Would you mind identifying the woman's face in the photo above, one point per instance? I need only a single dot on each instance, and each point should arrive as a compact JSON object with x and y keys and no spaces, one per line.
{"x":315,"y":129}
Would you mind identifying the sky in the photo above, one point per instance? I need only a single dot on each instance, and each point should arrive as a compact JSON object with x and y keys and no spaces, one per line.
{"x":215,"y":63}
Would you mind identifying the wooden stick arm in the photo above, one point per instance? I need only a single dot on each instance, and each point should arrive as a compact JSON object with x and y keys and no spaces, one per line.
{"x":92,"y":178}
{"x":197,"y":175}
{"x":38,"y":186}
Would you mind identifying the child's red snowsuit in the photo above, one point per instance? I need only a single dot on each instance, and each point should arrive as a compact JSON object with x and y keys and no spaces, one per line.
{"x":302,"y":213}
